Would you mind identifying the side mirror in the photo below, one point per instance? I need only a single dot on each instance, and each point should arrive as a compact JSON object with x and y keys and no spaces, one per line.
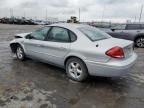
{"x":113,"y":29}
{"x":29,"y":36}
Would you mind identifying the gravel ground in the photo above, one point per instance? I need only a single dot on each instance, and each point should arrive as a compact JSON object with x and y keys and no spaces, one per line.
{"x":32,"y":84}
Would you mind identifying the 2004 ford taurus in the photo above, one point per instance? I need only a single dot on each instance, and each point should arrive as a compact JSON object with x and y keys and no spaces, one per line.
{"x":81,"y":49}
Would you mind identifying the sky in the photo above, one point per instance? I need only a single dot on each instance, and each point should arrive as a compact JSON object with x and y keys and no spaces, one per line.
{"x":91,"y":10}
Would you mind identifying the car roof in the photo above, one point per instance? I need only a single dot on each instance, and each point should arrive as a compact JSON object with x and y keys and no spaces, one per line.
{"x":131,"y":23}
{"x":68,"y":25}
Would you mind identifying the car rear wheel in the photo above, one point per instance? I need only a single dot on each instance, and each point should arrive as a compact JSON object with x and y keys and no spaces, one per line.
{"x":76,"y":69}
{"x":20,"y":53}
{"x":140,"y":42}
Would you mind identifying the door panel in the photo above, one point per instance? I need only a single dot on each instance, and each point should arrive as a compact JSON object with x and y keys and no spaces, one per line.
{"x":33,"y":48}
{"x":124,"y":31}
{"x":58,"y":44}
{"x":53,"y":50}
{"x":35,"y":41}
{"x":118,"y":31}
{"x":117,"y":34}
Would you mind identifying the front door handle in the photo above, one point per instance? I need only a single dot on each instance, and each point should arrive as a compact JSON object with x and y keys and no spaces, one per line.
{"x":39,"y":45}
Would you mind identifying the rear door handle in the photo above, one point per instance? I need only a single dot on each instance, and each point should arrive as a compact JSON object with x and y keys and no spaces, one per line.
{"x":63,"y":48}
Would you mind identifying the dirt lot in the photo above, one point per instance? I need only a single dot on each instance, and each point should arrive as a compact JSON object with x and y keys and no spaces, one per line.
{"x":31,"y":84}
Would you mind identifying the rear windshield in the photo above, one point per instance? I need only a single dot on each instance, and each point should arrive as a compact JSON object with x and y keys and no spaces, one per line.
{"x":93,"y":34}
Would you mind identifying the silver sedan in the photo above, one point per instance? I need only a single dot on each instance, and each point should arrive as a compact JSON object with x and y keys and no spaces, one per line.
{"x":80,"y":49}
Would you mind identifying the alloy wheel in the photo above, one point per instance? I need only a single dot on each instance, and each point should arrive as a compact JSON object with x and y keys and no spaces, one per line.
{"x":75,"y":70}
{"x":19,"y":53}
{"x":140,"y":42}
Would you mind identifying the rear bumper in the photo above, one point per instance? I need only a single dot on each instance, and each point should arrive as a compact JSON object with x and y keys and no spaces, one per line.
{"x":112,"y":68}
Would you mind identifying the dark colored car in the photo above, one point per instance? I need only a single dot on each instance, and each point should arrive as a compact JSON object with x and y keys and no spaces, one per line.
{"x":132,"y":31}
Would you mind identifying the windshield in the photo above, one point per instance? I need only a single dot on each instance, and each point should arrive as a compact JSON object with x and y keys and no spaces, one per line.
{"x":93,"y":33}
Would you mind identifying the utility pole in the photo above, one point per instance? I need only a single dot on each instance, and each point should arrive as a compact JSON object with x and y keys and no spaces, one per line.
{"x":24,"y":14}
{"x":46,"y":15}
{"x":140,"y":13}
{"x":103,"y":14}
{"x":11,"y":12}
{"x":135,"y":19}
{"x":79,"y":14}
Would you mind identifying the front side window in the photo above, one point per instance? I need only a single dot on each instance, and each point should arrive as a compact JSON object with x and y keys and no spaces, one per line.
{"x":119,"y":27}
{"x":93,"y":33}
{"x":40,"y":34}
{"x":58,"y":34}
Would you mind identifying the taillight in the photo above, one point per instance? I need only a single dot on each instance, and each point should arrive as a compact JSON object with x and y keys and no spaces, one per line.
{"x":115,"y":52}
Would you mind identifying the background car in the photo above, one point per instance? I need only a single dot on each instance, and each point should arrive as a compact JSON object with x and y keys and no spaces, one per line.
{"x":80,"y":49}
{"x":134,"y":32}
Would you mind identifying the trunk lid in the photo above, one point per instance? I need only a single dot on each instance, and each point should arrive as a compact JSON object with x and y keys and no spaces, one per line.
{"x":107,"y":44}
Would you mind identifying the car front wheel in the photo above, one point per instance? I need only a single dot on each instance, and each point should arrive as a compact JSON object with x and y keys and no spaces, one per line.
{"x":140,"y":42}
{"x":20,"y":53}
{"x":76,"y":69}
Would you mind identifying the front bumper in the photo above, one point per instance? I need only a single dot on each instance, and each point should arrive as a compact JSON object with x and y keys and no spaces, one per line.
{"x":113,"y":68}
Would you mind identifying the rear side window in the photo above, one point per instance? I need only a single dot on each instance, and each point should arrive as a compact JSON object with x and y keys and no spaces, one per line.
{"x":58,"y":34}
{"x":133,"y":26}
{"x":73,"y":37}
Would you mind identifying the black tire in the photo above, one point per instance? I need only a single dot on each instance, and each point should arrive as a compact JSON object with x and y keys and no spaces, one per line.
{"x":20,"y":56}
{"x":82,"y":67}
{"x":139,"y":42}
